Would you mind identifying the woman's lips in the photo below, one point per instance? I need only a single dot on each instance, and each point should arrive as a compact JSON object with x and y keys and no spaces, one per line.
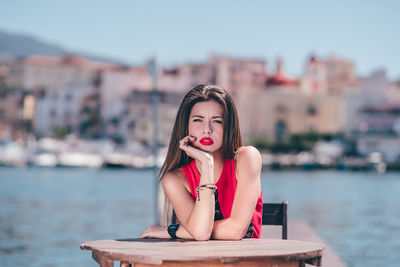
{"x":207,"y":141}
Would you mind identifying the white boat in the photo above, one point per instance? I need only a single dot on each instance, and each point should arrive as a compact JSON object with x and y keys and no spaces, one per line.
{"x":44,"y":160}
{"x":80,"y":159}
{"x":12,"y":154}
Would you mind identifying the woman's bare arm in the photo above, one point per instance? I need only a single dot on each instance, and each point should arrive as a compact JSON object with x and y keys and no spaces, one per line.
{"x":195,"y":216}
{"x":247,"y":192}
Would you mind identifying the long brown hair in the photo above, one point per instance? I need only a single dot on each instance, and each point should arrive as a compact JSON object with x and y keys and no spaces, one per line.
{"x":176,"y":157}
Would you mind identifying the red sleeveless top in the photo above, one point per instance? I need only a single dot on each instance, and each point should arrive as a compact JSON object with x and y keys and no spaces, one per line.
{"x":226,"y":193}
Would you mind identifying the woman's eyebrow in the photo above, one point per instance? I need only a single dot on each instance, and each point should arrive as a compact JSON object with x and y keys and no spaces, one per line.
{"x":213,"y":117}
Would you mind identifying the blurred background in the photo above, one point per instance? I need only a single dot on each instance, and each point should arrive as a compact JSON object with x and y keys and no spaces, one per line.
{"x":89,"y":92}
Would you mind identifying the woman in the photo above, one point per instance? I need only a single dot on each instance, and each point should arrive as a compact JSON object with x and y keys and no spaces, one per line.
{"x":211,"y":180}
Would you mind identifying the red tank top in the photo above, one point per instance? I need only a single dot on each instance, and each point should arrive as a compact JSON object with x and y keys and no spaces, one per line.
{"x":226,"y":193}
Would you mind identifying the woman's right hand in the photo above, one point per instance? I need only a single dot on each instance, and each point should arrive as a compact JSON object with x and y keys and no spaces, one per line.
{"x":155,"y":231}
{"x":206,"y":159}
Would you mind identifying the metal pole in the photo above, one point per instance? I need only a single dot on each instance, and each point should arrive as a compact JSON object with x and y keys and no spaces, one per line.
{"x":153,"y":70}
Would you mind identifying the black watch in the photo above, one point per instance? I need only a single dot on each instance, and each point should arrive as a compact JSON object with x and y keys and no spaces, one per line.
{"x":172,"y":230}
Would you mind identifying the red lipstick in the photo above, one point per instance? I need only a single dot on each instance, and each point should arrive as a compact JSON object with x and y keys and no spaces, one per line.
{"x":207,"y":141}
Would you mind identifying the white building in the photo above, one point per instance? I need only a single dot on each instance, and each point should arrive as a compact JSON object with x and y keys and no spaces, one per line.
{"x":49,"y":73}
{"x":59,"y":109}
{"x":332,"y":75}
{"x":115,"y":87}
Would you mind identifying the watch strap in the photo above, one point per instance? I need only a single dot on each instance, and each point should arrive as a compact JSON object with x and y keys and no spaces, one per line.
{"x":172,"y":228}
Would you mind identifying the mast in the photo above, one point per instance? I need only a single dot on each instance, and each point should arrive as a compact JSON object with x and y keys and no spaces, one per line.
{"x":152,"y":68}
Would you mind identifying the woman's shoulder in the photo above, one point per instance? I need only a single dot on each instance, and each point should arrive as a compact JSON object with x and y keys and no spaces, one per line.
{"x":174,"y":177}
{"x":247,"y":152}
{"x":176,"y":174}
{"x":248,"y":160}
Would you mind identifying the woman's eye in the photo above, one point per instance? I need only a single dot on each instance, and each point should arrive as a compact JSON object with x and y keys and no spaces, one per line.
{"x":220,"y":122}
{"x":197,"y":120}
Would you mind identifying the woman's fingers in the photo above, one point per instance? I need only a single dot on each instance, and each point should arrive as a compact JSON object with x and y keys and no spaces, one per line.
{"x":191,"y":150}
{"x":194,"y":152}
{"x":154,"y":231}
{"x":143,"y":235}
{"x":147,"y":233}
{"x":184,"y":144}
{"x":186,"y":140}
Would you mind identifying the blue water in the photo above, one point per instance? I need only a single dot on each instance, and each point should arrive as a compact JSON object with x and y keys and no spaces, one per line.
{"x":46,"y":213}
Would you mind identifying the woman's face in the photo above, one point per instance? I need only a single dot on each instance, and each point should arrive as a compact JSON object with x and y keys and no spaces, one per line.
{"x":206,"y":124}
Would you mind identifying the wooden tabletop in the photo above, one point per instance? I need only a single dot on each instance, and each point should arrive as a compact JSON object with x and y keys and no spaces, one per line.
{"x":161,"y":251}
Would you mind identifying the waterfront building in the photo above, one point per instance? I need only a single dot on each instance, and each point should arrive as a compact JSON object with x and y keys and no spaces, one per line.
{"x":10,"y":114}
{"x":373,"y":108}
{"x":373,"y":117}
{"x":35,"y":73}
{"x":280,"y":78}
{"x":277,"y":113}
{"x":16,"y":106}
{"x":237,"y":74}
{"x":114,"y":87}
{"x":289,"y":106}
{"x":103,"y":99}
{"x":52,"y":88}
{"x":183,"y":77}
{"x":136,"y":123}
{"x":234,"y":74}
{"x":314,"y":80}
{"x":57,"y":112}
{"x":393,"y":92}
{"x":125,"y":93}
{"x":329,"y":76}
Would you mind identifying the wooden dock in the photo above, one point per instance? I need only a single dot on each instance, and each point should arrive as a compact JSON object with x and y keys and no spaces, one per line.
{"x":301,"y":230}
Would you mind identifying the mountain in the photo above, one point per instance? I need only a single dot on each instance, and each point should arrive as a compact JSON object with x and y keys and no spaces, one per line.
{"x":17,"y":45}
{"x":22,"y":45}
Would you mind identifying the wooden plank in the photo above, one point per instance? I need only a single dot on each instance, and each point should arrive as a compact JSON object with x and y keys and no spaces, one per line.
{"x":102,"y":260}
{"x":216,"y":263}
{"x":301,"y":230}
{"x":146,"y":251}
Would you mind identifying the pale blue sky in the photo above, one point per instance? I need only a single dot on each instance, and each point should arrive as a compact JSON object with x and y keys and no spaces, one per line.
{"x":365,"y":31}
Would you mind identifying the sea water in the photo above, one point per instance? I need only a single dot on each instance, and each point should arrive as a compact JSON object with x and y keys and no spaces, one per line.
{"x":45,"y":213}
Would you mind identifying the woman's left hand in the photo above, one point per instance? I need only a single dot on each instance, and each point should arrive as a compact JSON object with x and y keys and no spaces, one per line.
{"x":154,"y":231}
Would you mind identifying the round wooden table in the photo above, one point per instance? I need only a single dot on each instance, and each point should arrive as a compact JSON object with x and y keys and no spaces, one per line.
{"x":246,"y":252}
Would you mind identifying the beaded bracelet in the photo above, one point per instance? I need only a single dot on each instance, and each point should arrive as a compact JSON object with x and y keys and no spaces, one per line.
{"x":204,"y":186}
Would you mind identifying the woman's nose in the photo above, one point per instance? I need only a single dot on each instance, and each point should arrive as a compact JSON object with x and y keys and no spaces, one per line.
{"x":207,"y":128}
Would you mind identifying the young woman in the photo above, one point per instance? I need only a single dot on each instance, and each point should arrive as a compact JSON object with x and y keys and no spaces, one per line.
{"x":211,"y":180}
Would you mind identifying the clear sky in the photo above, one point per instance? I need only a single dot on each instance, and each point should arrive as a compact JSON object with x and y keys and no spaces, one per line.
{"x":364,"y":31}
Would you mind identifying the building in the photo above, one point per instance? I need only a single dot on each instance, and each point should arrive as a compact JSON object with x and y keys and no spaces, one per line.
{"x":276,"y":114}
{"x":184,"y":77}
{"x":280,"y":78}
{"x":56,"y":86}
{"x":236,"y":74}
{"x":233,"y":74}
{"x":373,"y":117}
{"x":57,"y":112}
{"x":115,"y":86}
{"x":11,"y":114}
{"x":373,"y":106}
{"x":289,"y":106}
{"x":35,"y":73}
{"x":329,"y":76}
{"x":136,"y":123}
